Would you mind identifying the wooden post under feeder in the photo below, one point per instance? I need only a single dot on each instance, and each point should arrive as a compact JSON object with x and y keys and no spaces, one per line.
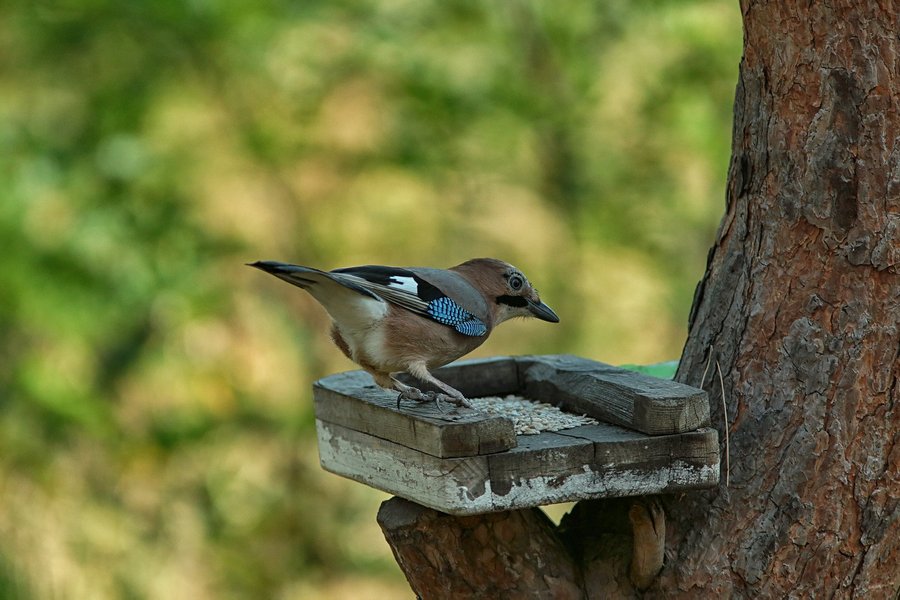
{"x":469,"y":525}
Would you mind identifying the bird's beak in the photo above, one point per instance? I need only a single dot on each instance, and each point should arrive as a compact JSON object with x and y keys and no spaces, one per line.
{"x":542,"y":311}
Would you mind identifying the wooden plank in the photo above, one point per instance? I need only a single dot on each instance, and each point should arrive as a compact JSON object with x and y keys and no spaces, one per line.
{"x":354,"y":401}
{"x":601,"y":461}
{"x":559,"y":454}
{"x":452,"y":485}
{"x":614,"y":395}
{"x":595,"y":461}
{"x":548,"y":456}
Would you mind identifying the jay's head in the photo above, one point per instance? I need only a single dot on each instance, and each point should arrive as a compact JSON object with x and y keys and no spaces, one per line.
{"x":506,"y":289}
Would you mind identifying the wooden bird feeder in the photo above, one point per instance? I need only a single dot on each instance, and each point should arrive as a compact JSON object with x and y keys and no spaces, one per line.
{"x":653,"y":436}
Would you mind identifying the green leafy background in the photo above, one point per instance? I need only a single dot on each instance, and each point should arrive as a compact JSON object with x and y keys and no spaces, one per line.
{"x":156,"y":428}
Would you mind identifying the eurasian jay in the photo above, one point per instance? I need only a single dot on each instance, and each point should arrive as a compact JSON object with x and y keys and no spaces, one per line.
{"x":391,"y":319}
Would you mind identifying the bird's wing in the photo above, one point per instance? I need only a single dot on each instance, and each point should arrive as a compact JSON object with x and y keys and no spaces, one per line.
{"x":457,"y":288}
{"x":393,"y":284}
{"x":414,"y":289}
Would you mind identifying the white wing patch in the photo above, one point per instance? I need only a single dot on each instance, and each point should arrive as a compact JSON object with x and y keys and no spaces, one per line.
{"x":406,"y":284}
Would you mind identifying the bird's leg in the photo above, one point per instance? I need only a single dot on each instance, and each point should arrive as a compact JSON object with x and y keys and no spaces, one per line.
{"x":451,"y":395}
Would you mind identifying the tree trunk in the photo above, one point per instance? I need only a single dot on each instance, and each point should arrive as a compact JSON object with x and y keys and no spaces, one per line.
{"x":800,"y":306}
{"x":512,"y":554}
{"x":800,"y":309}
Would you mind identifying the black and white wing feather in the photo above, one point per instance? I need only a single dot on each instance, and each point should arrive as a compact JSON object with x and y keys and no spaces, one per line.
{"x":406,"y":288}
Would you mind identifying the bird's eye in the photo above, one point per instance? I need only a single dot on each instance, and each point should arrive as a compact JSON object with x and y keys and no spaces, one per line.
{"x":516,"y":282}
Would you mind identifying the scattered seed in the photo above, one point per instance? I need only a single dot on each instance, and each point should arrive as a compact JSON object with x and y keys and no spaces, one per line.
{"x":530,"y":417}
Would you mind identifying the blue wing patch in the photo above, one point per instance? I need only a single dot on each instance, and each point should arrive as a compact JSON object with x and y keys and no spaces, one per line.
{"x":473,"y":327}
{"x":446,"y":311}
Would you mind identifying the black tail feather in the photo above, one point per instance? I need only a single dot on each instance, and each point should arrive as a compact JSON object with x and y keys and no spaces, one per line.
{"x":285,"y":271}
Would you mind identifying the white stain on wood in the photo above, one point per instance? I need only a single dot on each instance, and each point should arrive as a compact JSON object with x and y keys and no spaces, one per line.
{"x":465,"y":486}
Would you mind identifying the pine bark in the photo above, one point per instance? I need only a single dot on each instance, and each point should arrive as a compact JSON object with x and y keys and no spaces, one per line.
{"x":511,"y":554}
{"x":800,"y":307}
{"x":800,"y":310}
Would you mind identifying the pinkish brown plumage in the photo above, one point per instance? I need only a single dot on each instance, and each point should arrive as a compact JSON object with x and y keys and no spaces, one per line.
{"x":414,"y":319}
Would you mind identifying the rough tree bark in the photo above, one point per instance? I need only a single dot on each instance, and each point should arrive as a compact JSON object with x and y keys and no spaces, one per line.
{"x":800,"y":307}
{"x":512,"y":554}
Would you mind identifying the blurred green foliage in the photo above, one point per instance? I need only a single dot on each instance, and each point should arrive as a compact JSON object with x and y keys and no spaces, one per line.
{"x":663,"y":370}
{"x":156,"y":431}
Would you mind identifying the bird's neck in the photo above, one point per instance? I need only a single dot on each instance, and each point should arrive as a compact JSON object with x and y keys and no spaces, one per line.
{"x":485,"y":282}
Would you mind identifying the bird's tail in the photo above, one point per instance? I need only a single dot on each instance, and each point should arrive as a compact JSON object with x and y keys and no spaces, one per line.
{"x":304,"y":277}
{"x":309,"y":278}
{"x":343,"y":296}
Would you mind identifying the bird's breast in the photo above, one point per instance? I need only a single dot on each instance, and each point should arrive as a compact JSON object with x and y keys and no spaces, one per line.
{"x":410,"y":338}
{"x":401,"y":339}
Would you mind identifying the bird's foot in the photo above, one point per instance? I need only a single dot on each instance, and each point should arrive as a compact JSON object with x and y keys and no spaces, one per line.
{"x":456,"y":400}
{"x":411,"y":393}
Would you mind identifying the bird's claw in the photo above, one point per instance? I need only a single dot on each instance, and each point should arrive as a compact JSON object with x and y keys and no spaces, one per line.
{"x":437,"y":397}
{"x":412,"y":393}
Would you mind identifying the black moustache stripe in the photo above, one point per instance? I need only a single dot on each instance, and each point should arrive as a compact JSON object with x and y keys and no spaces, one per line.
{"x":517,"y":301}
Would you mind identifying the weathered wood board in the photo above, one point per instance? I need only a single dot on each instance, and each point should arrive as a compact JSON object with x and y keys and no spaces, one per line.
{"x":354,"y":401}
{"x":463,"y":462}
{"x":610,"y":394}
{"x":614,"y":395}
{"x":594,"y":461}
